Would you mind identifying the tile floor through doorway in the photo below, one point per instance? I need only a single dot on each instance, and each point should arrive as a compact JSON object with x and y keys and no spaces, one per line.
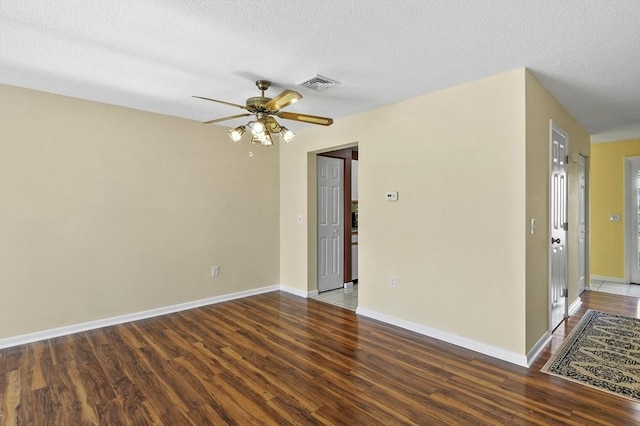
{"x":343,"y":297}
{"x":632,"y":290}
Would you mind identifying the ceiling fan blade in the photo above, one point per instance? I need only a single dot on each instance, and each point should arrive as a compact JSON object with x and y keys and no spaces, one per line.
{"x":220,"y":102}
{"x":217,"y":120}
{"x":282,"y":100}
{"x":313,"y":119}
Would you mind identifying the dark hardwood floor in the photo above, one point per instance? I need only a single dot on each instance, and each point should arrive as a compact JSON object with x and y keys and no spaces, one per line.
{"x":279,"y":359}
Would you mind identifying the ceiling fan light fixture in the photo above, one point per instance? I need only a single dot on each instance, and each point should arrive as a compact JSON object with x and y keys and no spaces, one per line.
{"x":287,"y":135}
{"x":236,"y":134}
{"x":256,"y":127}
{"x":267,"y":140}
{"x":263,"y":139}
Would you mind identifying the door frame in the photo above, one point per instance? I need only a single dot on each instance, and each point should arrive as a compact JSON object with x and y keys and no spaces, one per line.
{"x":630,"y":165}
{"x":583,"y":162}
{"x":339,"y":151}
{"x":346,"y":155}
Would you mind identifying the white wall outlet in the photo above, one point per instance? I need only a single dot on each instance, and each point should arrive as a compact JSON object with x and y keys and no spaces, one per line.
{"x":392,"y":196}
{"x":615,"y":217}
{"x":215,"y":271}
{"x":393,"y":282}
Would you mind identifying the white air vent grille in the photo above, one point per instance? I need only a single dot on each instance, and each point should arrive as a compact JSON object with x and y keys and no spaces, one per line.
{"x":318,"y":83}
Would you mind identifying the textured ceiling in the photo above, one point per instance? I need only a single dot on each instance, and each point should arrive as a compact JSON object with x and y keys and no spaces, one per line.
{"x":153,"y":55}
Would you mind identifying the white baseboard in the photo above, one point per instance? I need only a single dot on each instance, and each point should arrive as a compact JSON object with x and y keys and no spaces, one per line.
{"x":91,"y":325}
{"x":537,"y":349}
{"x":492,"y":351}
{"x":300,"y":293}
{"x":294,"y":291}
{"x":575,"y":306}
{"x":348,"y":285}
{"x":610,"y":279}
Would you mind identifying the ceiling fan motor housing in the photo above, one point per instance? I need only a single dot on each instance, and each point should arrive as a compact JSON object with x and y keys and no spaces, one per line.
{"x":257,"y":103}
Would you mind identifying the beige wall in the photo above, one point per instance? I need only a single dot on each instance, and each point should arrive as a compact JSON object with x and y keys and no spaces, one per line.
{"x":107,"y":211}
{"x":455,"y":240}
{"x":541,"y":107}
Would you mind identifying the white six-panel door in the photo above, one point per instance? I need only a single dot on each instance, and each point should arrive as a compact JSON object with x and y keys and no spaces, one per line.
{"x":330,"y":223}
{"x":558,"y":204}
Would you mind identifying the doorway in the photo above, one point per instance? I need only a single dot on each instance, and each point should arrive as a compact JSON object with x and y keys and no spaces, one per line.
{"x":558,"y":218}
{"x":632,"y":220}
{"x":582,"y":224}
{"x":337,"y":220}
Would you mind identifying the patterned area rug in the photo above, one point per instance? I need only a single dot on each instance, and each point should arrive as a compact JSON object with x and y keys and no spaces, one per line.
{"x":603,"y":352}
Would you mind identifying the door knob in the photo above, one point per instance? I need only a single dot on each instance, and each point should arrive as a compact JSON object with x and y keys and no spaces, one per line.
{"x":555,"y":240}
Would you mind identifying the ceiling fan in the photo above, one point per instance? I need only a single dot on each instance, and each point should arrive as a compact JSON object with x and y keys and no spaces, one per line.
{"x":264,"y":109}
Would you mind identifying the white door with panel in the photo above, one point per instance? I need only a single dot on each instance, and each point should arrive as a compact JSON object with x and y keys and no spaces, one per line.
{"x":582,"y":226}
{"x":558,"y":204}
{"x":330,"y":223}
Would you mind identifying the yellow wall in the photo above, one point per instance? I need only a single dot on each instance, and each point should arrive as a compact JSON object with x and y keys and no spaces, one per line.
{"x":455,"y":238}
{"x":541,"y":108}
{"x":607,"y":197}
{"x":106,"y":211}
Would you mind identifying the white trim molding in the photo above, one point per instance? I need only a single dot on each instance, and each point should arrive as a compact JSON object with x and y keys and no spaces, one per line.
{"x":120,"y":319}
{"x":492,"y":351}
{"x":537,"y":349}
{"x":294,"y":291}
{"x":575,"y":306}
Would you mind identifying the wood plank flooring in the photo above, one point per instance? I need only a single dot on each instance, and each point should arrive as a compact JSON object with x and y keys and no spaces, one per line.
{"x":279,"y":359}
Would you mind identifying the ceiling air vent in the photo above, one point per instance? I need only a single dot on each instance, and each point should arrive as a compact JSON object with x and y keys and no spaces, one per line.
{"x":318,"y":83}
